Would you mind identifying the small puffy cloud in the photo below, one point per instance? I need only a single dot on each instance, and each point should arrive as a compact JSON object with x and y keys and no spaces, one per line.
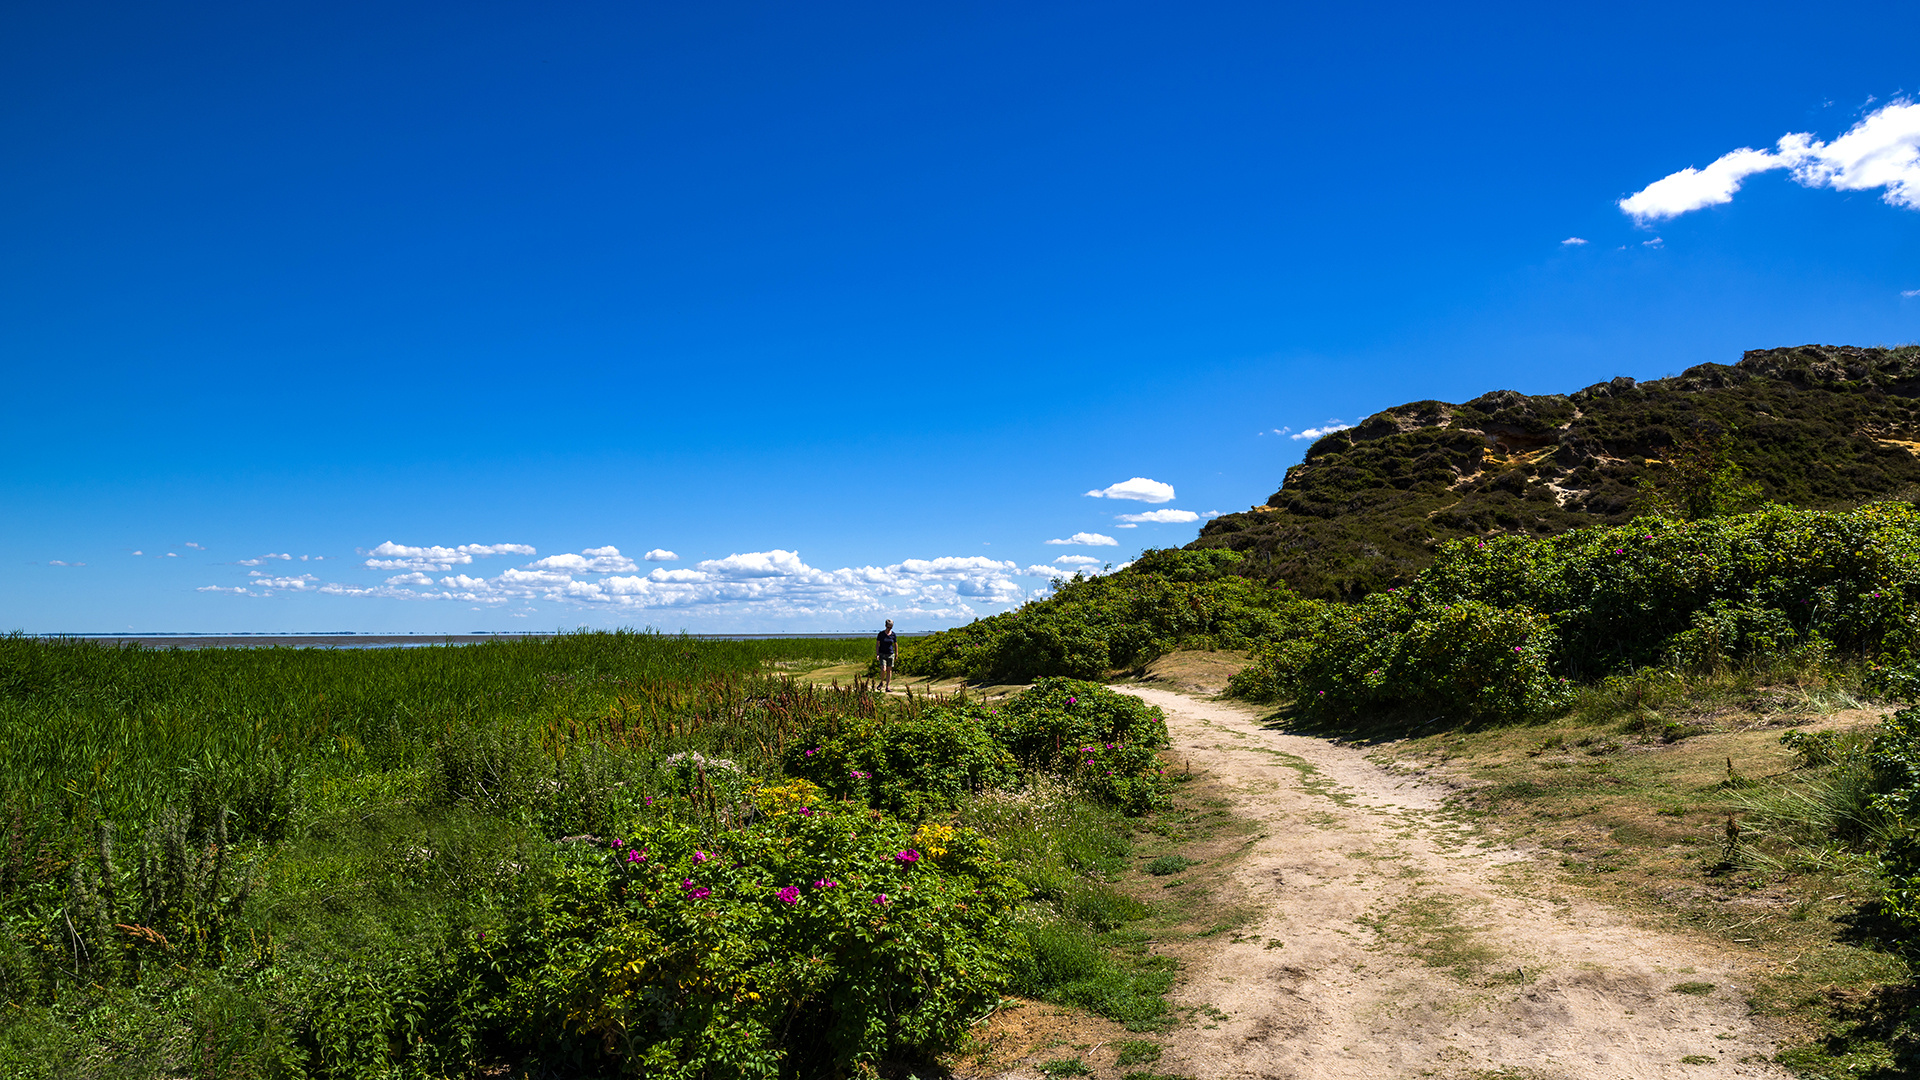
{"x":62,"y":562}
{"x":757,"y":564}
{"x":1139,"y":489}
{"x":601,"y":560}
{"x":1088,"y":539}
{"x":1572,"y":241}
{"x":1908,"y":293}
{"x":415,"y":578}
{"x":143,"y":553}
{"x":195,"y":546}
{"x":1211,"y":514}
{"x":1164,"y":517}
{"x":171,"y":555}
{"x":1881,"y":151}
{"x":1653,"y":243}
{"x":1078,"y":560}
{"x":661,"y":555}
{"x":392,"y":556}
{"x":262,"y":559}
{"x":1326,"y":429}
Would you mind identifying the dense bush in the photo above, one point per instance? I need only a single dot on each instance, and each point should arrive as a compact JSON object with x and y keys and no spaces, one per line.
{"x":817,"y":940}
{"x":1494,"y":627}
{"x":1091,"y":626}
{"x":1101,"y":741}
{"x":1621,"y":596}
{"x":1391,"y":653}
{"x":906,"y":765}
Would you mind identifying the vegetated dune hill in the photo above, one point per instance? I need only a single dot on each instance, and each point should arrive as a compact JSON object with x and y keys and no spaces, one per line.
{"x":1818,"y":426}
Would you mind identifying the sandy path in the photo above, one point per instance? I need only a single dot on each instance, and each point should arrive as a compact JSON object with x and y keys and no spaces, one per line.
{"x":1362,"y":889}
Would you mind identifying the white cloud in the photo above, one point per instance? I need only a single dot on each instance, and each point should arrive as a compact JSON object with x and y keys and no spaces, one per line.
{"x":1655,"y":242}
{"x":661,"y":555}
{"x":1139,"y":489}
{"x":262,"y":559}
{"x":1078,"y":560}
{"x":172,"y":555}
{"x":1572,"y":241}
{"x":1211,"y":514}
{"x":601,"y":560}
{"x":1328,"y":428}
{"x":1908,"y":293}
{"x":1126,"y":525}
{"x":404,"y":557}
{"x":1165,"y":517}
{"x":60,"y":562}
{"x":761,"y":586}
{"x":1881,"y":151}
{"x":1089,"y":539}
{"x":143,"y":553}
{"x":1280,"y":430}
{"x":195,"y":546}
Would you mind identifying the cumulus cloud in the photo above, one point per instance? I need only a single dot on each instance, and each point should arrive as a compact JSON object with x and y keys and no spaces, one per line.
{"x":600,"y":560}
{"x":1572,"y":241}
{"x":171,"y":555}
{"x":262,"y":559}
{"x":1165,"y":517}
{"x":1089,"y":539}
{"x":759,"y":585}
{"x":1139,"y":489}
{"x":1078,"y":560}
{"x":392,"y":556}
{"x":1211,"y":514}
{"x":1328,"y":428}
{"x":195,"y":546}
{"x":661,"y":555}
{"x":1881,"y":151}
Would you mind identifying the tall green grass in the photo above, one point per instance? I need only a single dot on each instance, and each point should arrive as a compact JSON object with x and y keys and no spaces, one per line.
{"x":119,"y":732}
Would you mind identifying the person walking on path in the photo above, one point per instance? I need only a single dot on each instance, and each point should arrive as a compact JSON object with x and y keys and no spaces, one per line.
{"x":886,"y":647}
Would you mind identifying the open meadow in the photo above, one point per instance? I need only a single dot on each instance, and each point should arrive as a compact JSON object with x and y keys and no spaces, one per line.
{"x":598,"y":854}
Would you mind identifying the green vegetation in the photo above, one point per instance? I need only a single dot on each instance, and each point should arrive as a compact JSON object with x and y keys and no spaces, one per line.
{"x":1815,"y":426}
{"x":602,"y":854}
{"x":1089,"y":627}
{"x":1499,"y":628}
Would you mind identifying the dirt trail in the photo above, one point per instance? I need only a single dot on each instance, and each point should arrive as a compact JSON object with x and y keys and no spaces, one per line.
{"x":1393,"y":941}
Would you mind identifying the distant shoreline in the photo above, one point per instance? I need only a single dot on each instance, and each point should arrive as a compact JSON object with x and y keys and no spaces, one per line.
{"x":351,"y":640}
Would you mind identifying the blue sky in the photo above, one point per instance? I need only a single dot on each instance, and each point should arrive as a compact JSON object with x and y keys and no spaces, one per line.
{"x":848,"y":307}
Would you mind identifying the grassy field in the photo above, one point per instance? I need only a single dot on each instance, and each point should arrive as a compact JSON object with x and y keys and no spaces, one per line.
{"x":579,"y":856}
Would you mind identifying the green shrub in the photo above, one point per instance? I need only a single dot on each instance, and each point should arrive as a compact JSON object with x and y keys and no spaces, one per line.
{"x":1393,"y":653}
{"x":815,"y":940}
{"x":910,"y":765}
{"x":1164,"y":600}
{"x":1102,"y":742}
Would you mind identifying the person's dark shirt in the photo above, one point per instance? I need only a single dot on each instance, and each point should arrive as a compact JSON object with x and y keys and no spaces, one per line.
{"x":883,"y":642}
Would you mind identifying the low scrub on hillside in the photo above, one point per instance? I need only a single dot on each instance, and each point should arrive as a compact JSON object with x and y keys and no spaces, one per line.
{"x":1089,"y":627}
{"x":1816,"y":425}
{"x":1500,"y":628}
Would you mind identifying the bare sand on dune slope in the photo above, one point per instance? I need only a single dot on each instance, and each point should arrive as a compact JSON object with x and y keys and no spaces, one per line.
{"x":1391,"y":940}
